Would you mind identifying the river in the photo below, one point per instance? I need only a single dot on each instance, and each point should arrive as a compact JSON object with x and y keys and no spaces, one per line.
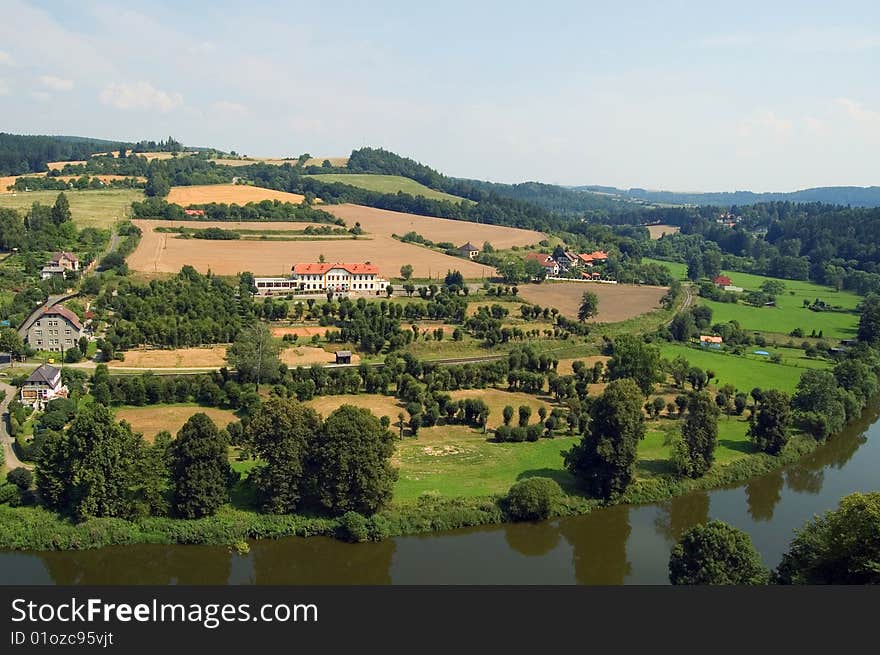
{"x":617,"y":545}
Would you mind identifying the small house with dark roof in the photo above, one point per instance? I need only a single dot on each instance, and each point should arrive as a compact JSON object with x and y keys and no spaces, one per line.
{"x":54,"y":328}
{"x":343,"y":357}
{"x":469,"y":250}
{"x":43,"y":385}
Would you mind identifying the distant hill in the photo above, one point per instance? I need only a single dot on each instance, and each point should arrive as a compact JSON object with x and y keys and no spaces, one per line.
{"x":20,"y":154}
{"x":835,"y":195}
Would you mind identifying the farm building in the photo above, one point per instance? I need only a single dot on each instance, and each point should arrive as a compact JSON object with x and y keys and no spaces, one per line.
{"x":710,"y":341}
{"x":317,"y":277}
{"x":54,"y":328}
{"x":469,"y":250}
{"x":43,"y":385}
{"x":343,"y":357}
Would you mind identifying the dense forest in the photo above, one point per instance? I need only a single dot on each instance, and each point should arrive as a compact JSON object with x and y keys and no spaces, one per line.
{"x":21,"y":154}
{"x":838,"y":195}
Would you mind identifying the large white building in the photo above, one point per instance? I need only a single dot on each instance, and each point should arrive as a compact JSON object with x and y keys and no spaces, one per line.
{"x":363,"y":278}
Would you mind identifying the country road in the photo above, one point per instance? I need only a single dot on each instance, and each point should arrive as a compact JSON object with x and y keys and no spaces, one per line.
{"x":9,"y":455}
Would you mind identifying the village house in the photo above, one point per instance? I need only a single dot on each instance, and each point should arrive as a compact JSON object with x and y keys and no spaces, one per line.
{"x":66,"y":260}
{"x":593,"y":258}
{"x":41,"y":386}
{"x":194,"y":212}
{"x":53,"y":328}
{"x":551,"y":268}
{"x":469,"y":250}
{"x":721,"y":281}
{"x":710,"y":341}
{"x":317,"y":277}
{"x":568,"y":260}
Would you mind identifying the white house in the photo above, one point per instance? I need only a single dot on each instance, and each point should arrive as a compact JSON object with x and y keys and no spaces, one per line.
{"x":317,"y":277}
{"x":43,"y":385}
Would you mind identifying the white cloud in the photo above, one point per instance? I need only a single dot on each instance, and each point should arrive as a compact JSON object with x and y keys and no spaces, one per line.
{"x":56,"y":83}
{"x":860,"y":113}
{"x":5,"y":59}
{"x":228,"y":109}
{"x":139,"y":95}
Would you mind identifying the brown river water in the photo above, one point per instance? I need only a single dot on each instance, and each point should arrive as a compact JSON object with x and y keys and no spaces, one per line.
{"x":617,"y":545}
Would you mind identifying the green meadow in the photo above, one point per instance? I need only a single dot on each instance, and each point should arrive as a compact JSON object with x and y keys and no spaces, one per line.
{"x":99,"y":208}
{"x":387,"y":184}
{"x":789,"y":312}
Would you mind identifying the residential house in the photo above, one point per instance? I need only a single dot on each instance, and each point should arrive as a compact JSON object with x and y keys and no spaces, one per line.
{"x":54,"y":328}
{"x":721,"y":281}
{"x":710,"y":341}
{"x":43,"y":385}
{"x":194,"y":212}
{"x":593,"y":258}
{"x":568,"y":260}
{"x":551,"y":268}
{"x":66,"y":260}
{"x":469,"y":250}
{"x":51,"y":270}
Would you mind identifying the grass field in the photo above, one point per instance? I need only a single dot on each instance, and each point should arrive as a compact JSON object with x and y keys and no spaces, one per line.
{"x":387,"y":184}
{"x":656,"y":449}
{"x":238,"y":194}
{"x":438,"y":230}
{"x":150,"y":421}
{"x":162,"y":253}
{"x":306,"y":356}
{"x":789,"y":312}
{"x":617,"y":302}
{"x":749,"y":371}
{"x":89,"y":208}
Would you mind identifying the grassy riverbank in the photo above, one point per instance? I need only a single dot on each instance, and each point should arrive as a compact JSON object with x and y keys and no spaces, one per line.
{"x":34,"y":528}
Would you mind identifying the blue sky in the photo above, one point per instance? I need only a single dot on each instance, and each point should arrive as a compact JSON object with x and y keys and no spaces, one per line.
{"x":672,"y":95}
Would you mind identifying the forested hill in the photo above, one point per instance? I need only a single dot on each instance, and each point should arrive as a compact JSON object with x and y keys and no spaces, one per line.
{"x":21,"y":154}
{"x":853,"y":196}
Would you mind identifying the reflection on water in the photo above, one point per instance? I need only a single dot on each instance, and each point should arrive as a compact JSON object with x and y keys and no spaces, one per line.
{"x":614,"y":545}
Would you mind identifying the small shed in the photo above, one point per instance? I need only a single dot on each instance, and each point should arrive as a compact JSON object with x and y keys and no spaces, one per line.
{"x":343,"y":357}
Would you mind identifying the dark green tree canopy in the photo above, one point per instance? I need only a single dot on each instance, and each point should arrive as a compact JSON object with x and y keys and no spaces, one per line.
{"x":200,"y":468}
{"x":716,"y":553}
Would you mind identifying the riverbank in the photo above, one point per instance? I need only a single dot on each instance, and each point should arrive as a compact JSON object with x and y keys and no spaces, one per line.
{"x":35,"y":528}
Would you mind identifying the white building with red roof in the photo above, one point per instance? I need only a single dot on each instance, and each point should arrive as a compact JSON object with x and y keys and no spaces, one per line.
{"x":319,"y":277}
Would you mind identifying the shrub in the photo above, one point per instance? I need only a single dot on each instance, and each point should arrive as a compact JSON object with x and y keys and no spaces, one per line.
{"x":354,"y":527}
{"x":533,"y":499}
{"x":8,"y":492}
{"x":21,"y":477}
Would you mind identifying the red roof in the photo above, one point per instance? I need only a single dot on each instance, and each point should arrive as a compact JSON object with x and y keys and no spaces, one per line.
{"x":321,"y":269}
{"x":722,"y":280}
{"x":599,"y":254}
{"x":56,"y":257}
{"x":194,"y":212}
{"x":539,"y":257}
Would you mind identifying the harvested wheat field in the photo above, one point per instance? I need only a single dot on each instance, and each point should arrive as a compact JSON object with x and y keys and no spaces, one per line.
{"x":381,"y":221}
{"x":58,"y":165}
{"x":301,"y":332}
{"x":150,"y":421}
{"x":380,"y":405}
{"x":214,"y":357}
{"x":336,"y":162}
{"x":564,"y":365}
{"x":617,"y":302}
{"x":496,"y":399}
{"x":163,"y":253}
{"x":238,"y":194}
{"x":657,"y":231}
{"x":306,"y":356}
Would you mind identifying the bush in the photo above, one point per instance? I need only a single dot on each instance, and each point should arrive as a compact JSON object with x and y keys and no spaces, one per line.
{"x":8,"y":492}
{"x":354,"y":527}
{"x":21,"y":477}
{"x":533,"y":499}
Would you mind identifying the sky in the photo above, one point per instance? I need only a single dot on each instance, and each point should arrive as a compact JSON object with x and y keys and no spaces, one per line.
{"x":685,"y":96}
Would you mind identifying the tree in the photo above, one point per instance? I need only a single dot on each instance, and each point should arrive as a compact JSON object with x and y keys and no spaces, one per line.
{"x":840,"y":547}
{"x":820,"y":403}
{"x":869,"y":320}
{"x":61,"y":210}
{"x":12,"y":343}
{"x":633,"y":358}
{"x":406,"y":271}
{"x":699,"y":433}
{"x":683,"y":326}
{"x":695,"y":267}
{"x":279,"y":436}
{"x":158,"y":185}
{"x":525,"y":413}
{"x":533,"y":499}
{"x":604,"y":460}
{"x":679,"y":368}
{"x":349,"y":462}
{"x":254,"y":355}
{"x":21,"y":478}
{"x":716,"y":553}
{"x":507,"y":414}
{"x":589,"y":306}
{"x":199,"y":468}
{"x":769,"y":423}
{"x":90,"y":469}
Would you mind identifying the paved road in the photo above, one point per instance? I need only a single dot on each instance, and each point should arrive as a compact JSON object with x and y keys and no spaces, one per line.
{"x":9,"y":455}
